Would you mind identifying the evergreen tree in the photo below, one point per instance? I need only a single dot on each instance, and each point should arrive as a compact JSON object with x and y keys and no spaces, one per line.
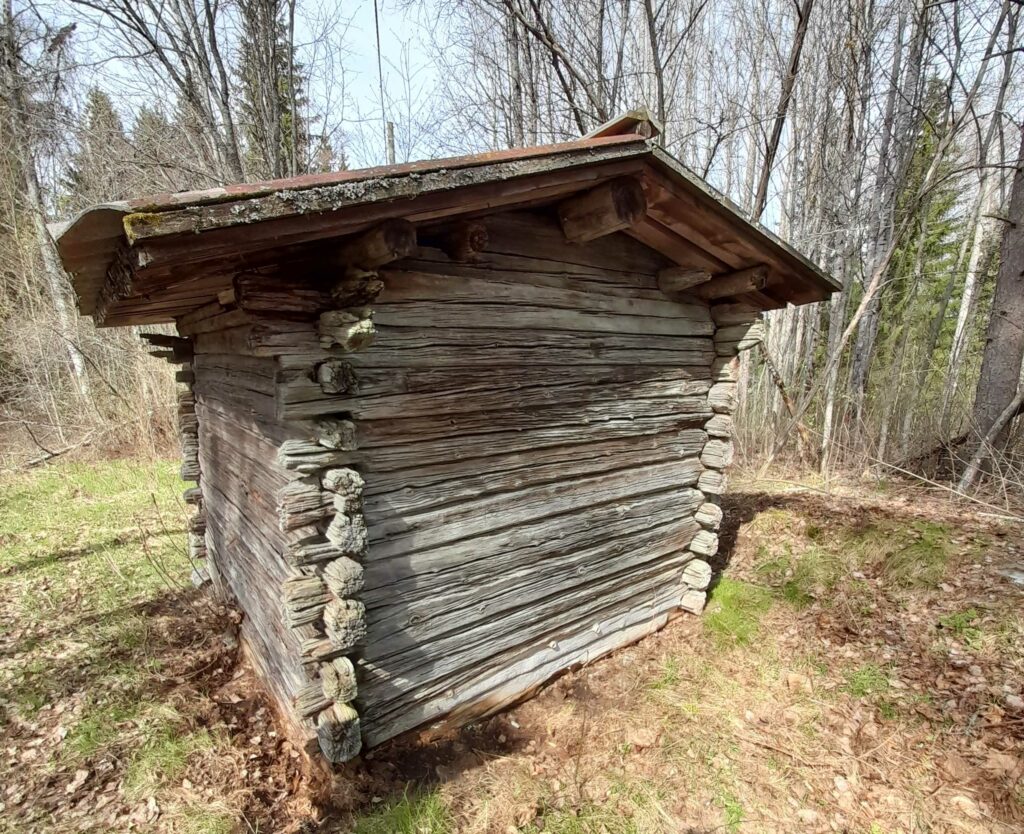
{"x":100,"y":169}
{"x":271,"y":93}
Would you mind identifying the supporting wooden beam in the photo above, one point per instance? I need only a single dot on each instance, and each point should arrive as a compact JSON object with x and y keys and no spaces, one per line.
{"x":735,"y":283}
{"x":386,"y":242}
{"x":610,"y":207}
{"x":679,"y":279}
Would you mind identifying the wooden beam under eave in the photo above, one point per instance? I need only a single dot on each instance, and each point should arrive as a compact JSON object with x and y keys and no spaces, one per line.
{"x":386,"y":242}
{"x":610,"y":207}
{"x":680,"y":279}
{"x":661,"y":239}
{"x":752,"y":279}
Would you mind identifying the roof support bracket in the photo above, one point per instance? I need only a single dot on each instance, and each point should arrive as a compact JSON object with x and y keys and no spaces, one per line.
{"x":610,"y":207}
{"x":735,"y":283}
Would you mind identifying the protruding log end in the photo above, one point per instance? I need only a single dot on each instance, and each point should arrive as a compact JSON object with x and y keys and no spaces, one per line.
{"x":345,"y":330}
{"x":711,"y":482}
{"x":386,"y":242}
{"x":705,"y":543}
{"x":337,"y":731}
{"x":465,"y":240}
{"x":697,"y":574}
{"x":735,"y":283}
{"x":338,"y":680}
{"x":345,"y":623}
{"x":344,"y":577}
{"x":709,"y":516}
{"x":336,"y":377}
{"x":693,"y":601}
{"x":608,"y":208}
{"x":717,"y":454}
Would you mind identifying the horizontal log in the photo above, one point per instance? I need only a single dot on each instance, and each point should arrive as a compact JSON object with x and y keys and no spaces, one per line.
{"x":304,"y":599}
{"x":280,"y":296}
{"x":478,"y":286}
{"x":465,"y":348}
{"x":408,"y":491}
{"x":593,"y":419}
{"x":505,"y":388}
{"x":726,"y":315}
{"x":542,"y":632}
{"x":591,"y":533}
{"x":735,"y":283}
{"x":311,"y":551}
{"x":311,"y":700}
{"x":389,"y":457}
{"x":496,"y":316}
{"x":505,"y":593}
{"x":402,"y":535}
{"x":306,"y":457}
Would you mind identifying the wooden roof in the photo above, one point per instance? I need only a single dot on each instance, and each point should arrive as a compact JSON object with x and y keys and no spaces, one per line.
{"x":155,"y":258}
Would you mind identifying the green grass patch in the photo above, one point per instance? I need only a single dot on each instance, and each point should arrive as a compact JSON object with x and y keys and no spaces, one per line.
{"x":586,"y":819}
{"x":162,"y":756}
{"x":963,"y":625}
{"x":732,"y":810}
{"x":199,"y":819}
{"x":100,"y":727}
{"x":670,"y":676}
{"x":866,"y":681}
{"x":413,"y":813}
{"x":921,"y":557}
{"x":735,"y":611}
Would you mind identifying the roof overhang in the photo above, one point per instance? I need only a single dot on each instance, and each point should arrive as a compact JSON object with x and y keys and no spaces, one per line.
{"x":153,"y":259}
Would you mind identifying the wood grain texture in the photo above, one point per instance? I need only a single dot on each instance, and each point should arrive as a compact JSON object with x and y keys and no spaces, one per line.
{"x":529,"y":430}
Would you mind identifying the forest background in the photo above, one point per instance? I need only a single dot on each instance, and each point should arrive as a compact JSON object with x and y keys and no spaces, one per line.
{"x":883,"y":138}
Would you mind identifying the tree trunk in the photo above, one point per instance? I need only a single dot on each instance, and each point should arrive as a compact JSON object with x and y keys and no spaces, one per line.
{"x":772,"y":148}
{"x":12,"y":87}
{"x":1004,"y":340}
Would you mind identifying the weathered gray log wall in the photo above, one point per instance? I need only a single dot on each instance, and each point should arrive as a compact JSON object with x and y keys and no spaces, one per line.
{"x":432,"y":485}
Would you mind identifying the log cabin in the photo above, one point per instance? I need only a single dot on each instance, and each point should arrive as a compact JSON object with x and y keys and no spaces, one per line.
{"x":454,"y":426}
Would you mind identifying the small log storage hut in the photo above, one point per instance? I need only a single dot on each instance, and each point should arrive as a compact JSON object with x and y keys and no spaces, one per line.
{"x":455,"y":426}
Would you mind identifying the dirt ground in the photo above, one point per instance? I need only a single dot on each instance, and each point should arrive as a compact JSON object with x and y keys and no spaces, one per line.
{"x":859,"y":669}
